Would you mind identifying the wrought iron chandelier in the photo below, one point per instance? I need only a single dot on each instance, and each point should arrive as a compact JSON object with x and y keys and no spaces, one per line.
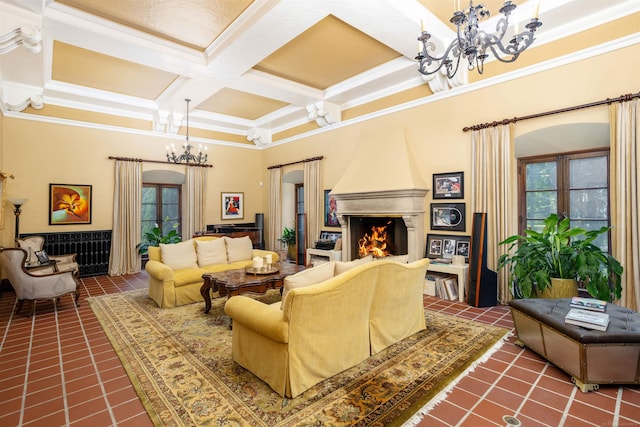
{"x":187,"y":157}
{"x":472,"y":43}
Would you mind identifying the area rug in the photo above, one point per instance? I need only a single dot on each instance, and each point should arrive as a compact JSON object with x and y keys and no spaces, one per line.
{"x":179,"y":362}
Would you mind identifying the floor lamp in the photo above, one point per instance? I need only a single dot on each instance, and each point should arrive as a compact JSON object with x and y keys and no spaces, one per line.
{"x":17,"y":204}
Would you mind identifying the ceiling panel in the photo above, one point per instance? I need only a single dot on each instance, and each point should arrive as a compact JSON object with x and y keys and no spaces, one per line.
{"x":195,"y":23}
{"x":233,"y":102}
{"x":325,"y":54}
{"x":83,"y":67}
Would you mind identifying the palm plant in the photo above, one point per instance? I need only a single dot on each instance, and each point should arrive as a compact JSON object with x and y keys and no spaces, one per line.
{"x":561,"y":252}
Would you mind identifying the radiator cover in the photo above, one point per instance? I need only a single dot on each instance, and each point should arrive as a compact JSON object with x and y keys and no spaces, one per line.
{"x":92,"y":249}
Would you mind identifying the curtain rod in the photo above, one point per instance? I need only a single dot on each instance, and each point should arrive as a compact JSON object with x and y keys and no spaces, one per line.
{"x":133,"y":159}
{"x":622,"y":98}
{"x":299,"y":161}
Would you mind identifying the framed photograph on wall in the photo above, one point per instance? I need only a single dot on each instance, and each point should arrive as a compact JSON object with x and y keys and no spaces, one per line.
{"x":330,"y":213}
{"x":448,"y":185}
{"x":69,"y":204}
{"x":447,"y":245}
{"x":448,"y":216}
{"x":232,"y":205}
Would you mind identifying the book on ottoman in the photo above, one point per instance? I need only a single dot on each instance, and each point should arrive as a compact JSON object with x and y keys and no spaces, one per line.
{"x":587,"y":319}
{"x":588,"y":304}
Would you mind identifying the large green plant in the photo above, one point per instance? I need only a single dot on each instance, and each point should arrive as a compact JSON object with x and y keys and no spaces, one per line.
{"x":154,"y":237}
{"x":288,"y":237}
{"x":561,"y":252}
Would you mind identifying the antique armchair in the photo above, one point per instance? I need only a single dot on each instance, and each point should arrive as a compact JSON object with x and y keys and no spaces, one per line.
{"x":31,"y":287}
{"x":33,"y":244}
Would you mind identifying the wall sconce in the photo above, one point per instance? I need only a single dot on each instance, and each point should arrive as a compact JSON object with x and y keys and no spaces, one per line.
{"x":17,"y":204}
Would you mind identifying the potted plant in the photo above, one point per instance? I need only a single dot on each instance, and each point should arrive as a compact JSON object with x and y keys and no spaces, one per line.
{"x":537,"y":259}
{"x":154,"y":237}
{"x":288,"y":238}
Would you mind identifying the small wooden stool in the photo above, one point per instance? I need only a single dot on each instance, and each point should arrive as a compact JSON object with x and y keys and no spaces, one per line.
{"x":591,"y":357}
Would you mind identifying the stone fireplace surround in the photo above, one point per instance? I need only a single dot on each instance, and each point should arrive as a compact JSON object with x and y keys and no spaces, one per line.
{"x":409,"y":204}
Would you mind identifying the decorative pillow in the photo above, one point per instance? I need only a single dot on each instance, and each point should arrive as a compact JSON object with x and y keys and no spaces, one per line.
{"x":341,"y":267}
{"x":179,"y":255}
{"x":239,"y":248}
{"x":211,"y":252}
{"x":31,"y":247}
{"x":307,"y":277}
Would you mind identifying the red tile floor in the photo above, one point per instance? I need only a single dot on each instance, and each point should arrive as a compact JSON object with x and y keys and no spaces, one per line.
{"x":59,"y":369}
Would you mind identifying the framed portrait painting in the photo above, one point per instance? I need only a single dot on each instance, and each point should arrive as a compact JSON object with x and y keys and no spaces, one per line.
{"x":448,"y":185}
{"x":330,"y":213}
{"x":232,"y":205}
{"x":69,"y":204}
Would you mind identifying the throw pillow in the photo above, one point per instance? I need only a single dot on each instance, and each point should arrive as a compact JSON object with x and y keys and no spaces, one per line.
{"x":307,"y":277}
{"x":179,"y":255}
{"x":31,"y":247}
{"x":211,"y":252}
{"x":341,"y":266}
{"x":239,"y":248}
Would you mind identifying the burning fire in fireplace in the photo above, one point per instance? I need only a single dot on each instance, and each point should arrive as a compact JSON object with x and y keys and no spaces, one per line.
{"x":376,"y":243}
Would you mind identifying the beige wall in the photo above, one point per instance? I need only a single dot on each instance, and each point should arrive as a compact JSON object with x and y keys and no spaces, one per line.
{"x":39,"y":153}
{"x":436,"y":136}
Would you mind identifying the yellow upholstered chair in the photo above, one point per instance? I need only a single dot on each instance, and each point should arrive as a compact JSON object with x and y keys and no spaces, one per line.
{"x":31,"y":287}
{"x":33,"y":244}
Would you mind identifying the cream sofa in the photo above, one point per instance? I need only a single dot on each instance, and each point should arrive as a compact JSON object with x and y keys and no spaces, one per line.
{"x":175,"y":270}
{"x":325,"y":328}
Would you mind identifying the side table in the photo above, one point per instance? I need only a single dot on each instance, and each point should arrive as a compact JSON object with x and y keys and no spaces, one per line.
{"x":461,"y":271}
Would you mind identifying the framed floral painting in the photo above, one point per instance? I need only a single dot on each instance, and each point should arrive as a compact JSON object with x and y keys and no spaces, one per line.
{"x":69,"y":204}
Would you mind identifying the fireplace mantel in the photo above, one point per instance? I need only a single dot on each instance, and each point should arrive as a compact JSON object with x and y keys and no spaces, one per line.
{"x":406,"y":203}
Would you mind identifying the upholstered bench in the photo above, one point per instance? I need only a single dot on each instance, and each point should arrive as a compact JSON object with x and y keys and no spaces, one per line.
{"x":591,"y":357}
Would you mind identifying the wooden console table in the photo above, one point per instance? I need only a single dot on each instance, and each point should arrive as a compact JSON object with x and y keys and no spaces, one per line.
{"x":238,"y":282}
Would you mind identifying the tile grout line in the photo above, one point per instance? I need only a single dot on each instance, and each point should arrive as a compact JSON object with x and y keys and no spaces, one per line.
{"x":26,"y":369}
{"x":616,"y":415}
{"x":61,"y":363}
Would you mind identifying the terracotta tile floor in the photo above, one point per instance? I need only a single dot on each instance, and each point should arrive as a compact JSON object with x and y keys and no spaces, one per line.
{"x":59,"y":369}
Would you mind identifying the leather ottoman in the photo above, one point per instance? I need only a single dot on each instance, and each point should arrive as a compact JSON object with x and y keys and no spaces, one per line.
{"x":591,"y":357}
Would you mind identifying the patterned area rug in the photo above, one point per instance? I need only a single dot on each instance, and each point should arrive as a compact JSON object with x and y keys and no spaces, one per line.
{"x":179,"y":361}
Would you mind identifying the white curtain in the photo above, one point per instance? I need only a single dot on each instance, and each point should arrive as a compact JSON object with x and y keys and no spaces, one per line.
{"x":275,"y":209}
{"x":195,"y":188}
{"x":313,"y":206}
{"x":625,"y":184}
{"x":127,"y":207}
{"x":494,"y":191}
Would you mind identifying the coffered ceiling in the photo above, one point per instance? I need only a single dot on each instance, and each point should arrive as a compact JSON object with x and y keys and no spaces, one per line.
{"x":256,"y":71}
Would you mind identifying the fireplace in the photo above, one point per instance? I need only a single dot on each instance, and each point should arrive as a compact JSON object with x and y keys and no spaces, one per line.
{"x":377,"y":236}
{"x":382,"y":183}
{"x":404,"y":208}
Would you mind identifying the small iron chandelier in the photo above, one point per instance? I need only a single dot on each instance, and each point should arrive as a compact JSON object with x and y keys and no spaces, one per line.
{"x":187,"y":157}
{"x":473,"y":43}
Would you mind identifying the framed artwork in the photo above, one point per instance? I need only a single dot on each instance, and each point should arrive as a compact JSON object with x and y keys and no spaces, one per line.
{"x":330,"y":213}
{"x":232,"y":205}
{"x":448,"y":185}
{"x":447,"y":245}
{"x":69,"y":204}
{"x":448,"y":216}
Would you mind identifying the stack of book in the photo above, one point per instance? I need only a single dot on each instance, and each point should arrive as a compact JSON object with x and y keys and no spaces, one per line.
{"x":445,"y":285}
{"x":588,"y":313}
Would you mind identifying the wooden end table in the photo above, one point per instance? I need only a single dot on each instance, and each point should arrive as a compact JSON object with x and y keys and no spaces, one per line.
{"x":239,"y":281}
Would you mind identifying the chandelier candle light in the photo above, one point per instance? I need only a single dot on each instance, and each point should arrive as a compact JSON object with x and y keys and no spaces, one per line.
{"x":187,"y":157}
{"x":472,"y":43}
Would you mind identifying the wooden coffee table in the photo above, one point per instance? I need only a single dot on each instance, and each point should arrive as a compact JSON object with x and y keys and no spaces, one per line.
{"x":238,"y":282}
